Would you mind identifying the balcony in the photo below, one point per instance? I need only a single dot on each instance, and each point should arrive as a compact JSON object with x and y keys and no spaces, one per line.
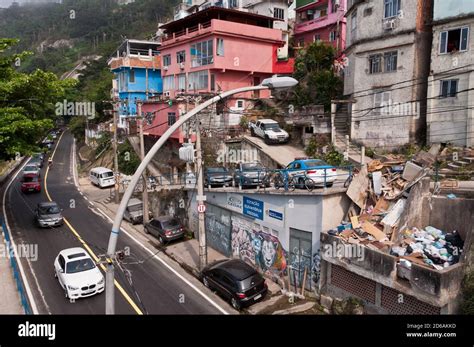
{"x":135,"y":61}
{"x":222,"y":27}
{"x":320,"y":22}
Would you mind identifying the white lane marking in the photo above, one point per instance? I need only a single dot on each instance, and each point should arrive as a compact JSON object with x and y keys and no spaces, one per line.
{"x":34,"y":308}
{"x":185,"y":280}
{"x":212,"y":302}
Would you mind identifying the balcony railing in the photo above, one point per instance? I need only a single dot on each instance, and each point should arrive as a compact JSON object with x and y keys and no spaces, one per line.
{"x":187,"y":31}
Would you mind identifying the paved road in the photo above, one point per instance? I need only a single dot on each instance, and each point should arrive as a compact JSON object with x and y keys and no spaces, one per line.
{"x":160,"y":290}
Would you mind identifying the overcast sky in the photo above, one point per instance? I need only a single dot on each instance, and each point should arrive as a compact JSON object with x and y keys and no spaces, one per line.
{"x":450,"y":8}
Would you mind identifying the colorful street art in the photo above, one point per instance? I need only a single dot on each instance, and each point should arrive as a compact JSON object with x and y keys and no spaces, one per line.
{"x":257,"y":247}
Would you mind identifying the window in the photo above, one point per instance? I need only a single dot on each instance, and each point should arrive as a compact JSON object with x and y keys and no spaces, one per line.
{"x":132,"y":76}
{"x":332,"y":36}
{"x":198,"y":80}
{"x":381,"y":99}
{"x":240,"y":104}
{"x":181,"y":78}
{"x":390,"y":61}
{"x":220,"y":47}
{"x":375,"y":64}
{"x":171,"y":118}
{"x":233,"y":3}
{"x":453,"y":40}
{"x":180,"y":57}
{"x":301,"y":43}
{"x":449,"y":88}
{"x":167,"y":60}
{"x":278,"y":13}
{"x":354,"y":21}
{"x":168,"y":83}
{"x":213,"y":82}
{"x":317,"y":37}
{"x":392,"y":7}
{"x":202,"y":53}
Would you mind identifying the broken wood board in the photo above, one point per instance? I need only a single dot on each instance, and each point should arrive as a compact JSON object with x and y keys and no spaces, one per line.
{"x":374,"y":231}
{"x":355,"y":222}
{"x":357,"y":190}
{"x":381,"y":206}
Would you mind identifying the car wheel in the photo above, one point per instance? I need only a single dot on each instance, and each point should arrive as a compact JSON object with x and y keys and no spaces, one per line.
{"x":146,"y":230}
{"x":252,"y":132}
{"x":301,"y":183}
{"x":235,"y":304}
{"x":162,"y":241}
{"x":329,"y":185}
{"x":267,"y":140}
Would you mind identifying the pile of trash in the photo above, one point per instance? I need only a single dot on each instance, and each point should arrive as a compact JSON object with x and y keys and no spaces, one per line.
{"x":429,"y":247}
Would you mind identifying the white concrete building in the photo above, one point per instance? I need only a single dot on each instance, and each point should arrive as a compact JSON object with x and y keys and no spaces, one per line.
{"x":388,"y":49}
{"x":450,"y":105}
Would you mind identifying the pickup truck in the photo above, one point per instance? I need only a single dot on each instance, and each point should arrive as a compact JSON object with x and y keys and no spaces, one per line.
{"x":269,"y":130}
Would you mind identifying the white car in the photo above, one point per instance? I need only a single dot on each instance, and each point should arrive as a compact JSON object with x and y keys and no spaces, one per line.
{"x":269,"y":130}
{"x":77,"y":273}
{"x":32,"y":169}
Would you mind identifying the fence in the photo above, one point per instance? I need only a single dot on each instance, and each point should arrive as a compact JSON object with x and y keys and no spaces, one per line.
{"x":16,"y":273}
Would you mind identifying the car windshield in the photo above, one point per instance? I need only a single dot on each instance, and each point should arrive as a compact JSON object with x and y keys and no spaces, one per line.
{"x":79,"y":265}
{"x":107,"y":174}
{"x":49,"y":209}
{"x":135,"y":208}
{"x":216,"y":169}
{"x":31,"y":168}
{"x":252,"y":166}
{"x":30,"y":179}
{"x":250,"y":282}
{"x":272,"y":126}
{"x":172,"y":223}
{"x":313,"y":163}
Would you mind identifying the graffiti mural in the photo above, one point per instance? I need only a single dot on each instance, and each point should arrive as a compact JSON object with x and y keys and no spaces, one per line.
{"x":257,"y":247}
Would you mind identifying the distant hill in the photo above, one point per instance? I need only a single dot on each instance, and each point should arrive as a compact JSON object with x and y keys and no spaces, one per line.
{"x":60,"y":34}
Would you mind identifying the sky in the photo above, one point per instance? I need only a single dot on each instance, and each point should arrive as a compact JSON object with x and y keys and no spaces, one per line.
{"x":451,"y":8}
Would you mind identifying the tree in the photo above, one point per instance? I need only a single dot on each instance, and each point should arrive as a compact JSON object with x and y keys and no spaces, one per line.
{"x":26,"y":104}
{"x":318,"y":81}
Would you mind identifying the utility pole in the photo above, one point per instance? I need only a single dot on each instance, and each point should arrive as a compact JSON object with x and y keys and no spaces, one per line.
{"x":142,"y":156}
{"x":116,"y":166}
{"x":200,"y":197}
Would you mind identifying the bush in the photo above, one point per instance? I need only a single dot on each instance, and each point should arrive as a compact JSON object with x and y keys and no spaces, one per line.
{"x":467,"y":304}
{"x":128,"y":160}
{"x":333,"y":157}
{"x":244,"y":122}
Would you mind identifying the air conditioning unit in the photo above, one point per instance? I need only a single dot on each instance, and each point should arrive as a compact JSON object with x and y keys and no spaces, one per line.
{"x":167,"y":94}
{"x":165,"y":68}
{"x":389,"y":24}
{"x":181,"y":66}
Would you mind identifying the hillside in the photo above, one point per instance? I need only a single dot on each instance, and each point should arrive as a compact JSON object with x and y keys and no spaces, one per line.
{"x":60,"y":34}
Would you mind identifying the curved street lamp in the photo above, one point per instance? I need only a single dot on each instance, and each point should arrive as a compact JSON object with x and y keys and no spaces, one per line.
{"x":274,"y":82}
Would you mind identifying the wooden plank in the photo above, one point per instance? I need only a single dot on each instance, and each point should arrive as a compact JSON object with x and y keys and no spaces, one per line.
{"x":374,"y":231}
{"x":355,"y":222}
{"x":357,"y":190}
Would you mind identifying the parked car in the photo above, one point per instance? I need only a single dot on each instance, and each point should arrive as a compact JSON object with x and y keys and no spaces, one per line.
{"x":77,"y":274}
{"x":315,"y":169}
{"x":48,"y":214}
{"x":236,"y":281}
{"x":165,"y":228}
{"x":30,"y":183}
{"x":102,"y":177}
{"x":134,"y":211}
{"x":32,"y":169}
{"x":217,"y":176}
{"x":249,"y":174}
{"x":269,"y":130}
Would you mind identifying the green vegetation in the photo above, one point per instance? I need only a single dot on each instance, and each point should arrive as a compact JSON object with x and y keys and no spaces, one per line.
{"x":128,"y":160}
{"x":318,"y":82}
{"x":467,"y":305}
{"x":27,"y":102}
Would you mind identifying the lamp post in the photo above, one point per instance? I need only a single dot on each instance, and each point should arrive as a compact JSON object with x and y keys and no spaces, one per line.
{"x":269,"y":83}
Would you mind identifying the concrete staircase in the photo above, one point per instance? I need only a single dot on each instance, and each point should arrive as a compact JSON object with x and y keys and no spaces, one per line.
{"x":342,"y":125}
{"x":457,"y":167}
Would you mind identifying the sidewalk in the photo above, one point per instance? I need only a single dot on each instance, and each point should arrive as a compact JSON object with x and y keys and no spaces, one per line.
{"x":10,"y":302}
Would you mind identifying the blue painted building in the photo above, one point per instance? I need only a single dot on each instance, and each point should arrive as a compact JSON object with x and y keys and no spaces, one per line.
{"x":137,"y":70}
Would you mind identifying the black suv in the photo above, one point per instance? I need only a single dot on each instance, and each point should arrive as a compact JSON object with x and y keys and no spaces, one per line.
{"x":236,"y":281}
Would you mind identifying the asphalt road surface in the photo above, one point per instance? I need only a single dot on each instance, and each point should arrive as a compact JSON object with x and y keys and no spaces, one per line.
{"x":154,"y":289}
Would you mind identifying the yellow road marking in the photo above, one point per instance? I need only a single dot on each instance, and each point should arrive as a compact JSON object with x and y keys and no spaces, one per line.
{"x":86,"y":246}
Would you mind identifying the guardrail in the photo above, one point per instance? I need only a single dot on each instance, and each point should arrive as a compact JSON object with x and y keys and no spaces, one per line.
{"x":16,"y":272}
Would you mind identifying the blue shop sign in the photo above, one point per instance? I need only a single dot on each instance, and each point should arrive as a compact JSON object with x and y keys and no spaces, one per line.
{"x":253,"y":208}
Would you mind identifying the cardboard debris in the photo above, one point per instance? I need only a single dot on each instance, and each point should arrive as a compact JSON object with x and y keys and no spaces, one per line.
{"x":355,"y":222}
{"x":357,"y":190}
{"x":374,"y":231}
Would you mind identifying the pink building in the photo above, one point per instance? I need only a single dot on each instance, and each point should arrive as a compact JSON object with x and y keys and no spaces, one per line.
{"x":321,"y":20}
{"x":212,"y":51}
